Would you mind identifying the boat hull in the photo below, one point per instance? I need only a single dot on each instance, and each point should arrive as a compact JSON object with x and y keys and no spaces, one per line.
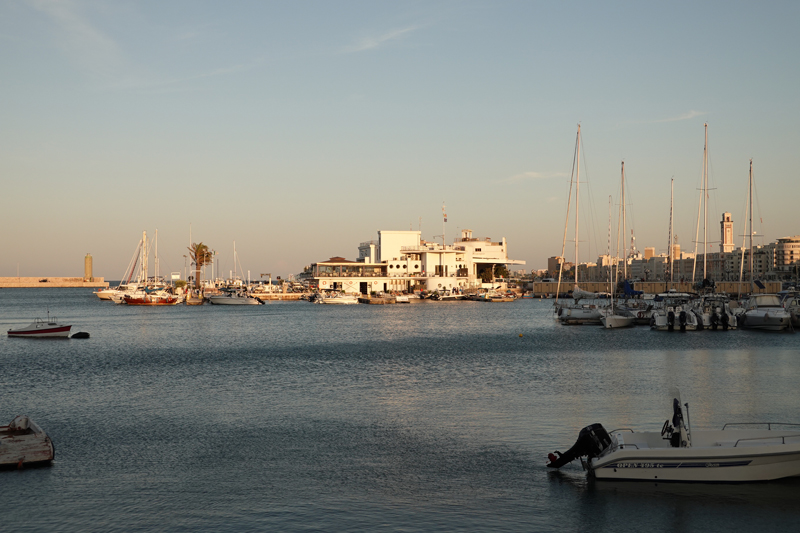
{"x":693,"y":466}
{"x":617,"y":321}
{"x":23,"y":443}
{"x":55,"y":331}
{"x":732,"y":456}
{"x":227,"y":300}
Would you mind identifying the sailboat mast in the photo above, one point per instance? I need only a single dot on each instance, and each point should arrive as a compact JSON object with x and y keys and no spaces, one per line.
{"x":705,"y":204}
{"x":156,"y":261}
{"x":566,"y":220}
{"x":624,"y":243}
{"x":750,"y":195}
{"x":671,"y":253}
{"x":577,"y":200}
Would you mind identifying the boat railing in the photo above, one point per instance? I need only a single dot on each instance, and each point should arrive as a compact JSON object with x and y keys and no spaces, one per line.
{"x":771,"y":437}
{"x":622,"y":429}
{"x":768,"y":424}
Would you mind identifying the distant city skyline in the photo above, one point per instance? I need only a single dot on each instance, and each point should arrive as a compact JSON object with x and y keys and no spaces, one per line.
{"x":298,"y":130}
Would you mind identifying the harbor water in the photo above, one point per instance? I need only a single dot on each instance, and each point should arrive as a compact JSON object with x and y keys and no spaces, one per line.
{"x":435,"y":416}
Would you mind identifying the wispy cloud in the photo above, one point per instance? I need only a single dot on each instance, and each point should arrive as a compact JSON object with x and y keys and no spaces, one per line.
{"x":373,"y":42}
{"x":80,"y":39}
{"x":532,"y":176}
{"x":685,"y":116}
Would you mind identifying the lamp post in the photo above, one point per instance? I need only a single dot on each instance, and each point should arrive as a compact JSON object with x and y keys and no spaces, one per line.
{"x":185,"y":259}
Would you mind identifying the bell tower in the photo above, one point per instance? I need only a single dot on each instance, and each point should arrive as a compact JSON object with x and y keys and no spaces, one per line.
{"x":726,"y":234}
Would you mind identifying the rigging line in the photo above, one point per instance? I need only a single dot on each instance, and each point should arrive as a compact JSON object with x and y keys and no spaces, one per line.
{"x":592,"y":239}
{"x":566,"y":223}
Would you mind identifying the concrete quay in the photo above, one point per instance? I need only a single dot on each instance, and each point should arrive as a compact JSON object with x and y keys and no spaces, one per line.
{"x":51,"y":282}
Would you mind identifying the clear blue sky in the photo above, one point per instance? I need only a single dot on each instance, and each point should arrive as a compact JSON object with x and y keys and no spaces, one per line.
{"x":298,"y":129}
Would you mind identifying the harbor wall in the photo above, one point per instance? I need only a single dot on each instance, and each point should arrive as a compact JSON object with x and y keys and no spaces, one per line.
{"x":50,"y":282}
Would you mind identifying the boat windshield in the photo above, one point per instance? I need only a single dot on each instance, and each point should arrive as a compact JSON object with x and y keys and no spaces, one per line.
{"x":766,"y":300}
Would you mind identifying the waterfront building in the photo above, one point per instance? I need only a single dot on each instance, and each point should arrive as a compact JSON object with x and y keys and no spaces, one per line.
{"x":402,"y":261}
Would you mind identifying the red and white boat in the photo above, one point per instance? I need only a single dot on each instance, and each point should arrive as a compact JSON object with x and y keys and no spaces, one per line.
{"x":42,"y":328}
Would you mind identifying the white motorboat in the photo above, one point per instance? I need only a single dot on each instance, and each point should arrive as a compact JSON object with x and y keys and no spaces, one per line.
{"x":713,"y":311}
{"x":764,"y":311}
{"x":792,"y":306}
{"x":678,"y":453}
{"x":674,"y":312}
{"x":23,"y":442}
{"x":42,"y":328}
{"x":339,"y":299}
{"x":233,"y":298}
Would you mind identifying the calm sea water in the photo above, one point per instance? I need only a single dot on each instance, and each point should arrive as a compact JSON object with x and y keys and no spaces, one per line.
{"x":422,"y":417}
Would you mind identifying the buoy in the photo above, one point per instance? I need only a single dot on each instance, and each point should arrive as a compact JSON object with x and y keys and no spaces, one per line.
{"x":520,"y":334}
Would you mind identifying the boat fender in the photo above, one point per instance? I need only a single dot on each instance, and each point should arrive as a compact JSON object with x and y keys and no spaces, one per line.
{"x":560,"y":310}
{"x":639,"y":314}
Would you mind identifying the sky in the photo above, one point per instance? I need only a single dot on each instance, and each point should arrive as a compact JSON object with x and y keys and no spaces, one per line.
{"x":298,"y":130}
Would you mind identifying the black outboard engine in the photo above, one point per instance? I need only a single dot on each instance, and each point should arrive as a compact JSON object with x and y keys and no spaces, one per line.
{"x":726,"y":321}
{"x":714,"y":321}
{"x":677,"y":422}
{"x":592,"y":440}
{"x":683,"y":320}
{"x":671,"y":321}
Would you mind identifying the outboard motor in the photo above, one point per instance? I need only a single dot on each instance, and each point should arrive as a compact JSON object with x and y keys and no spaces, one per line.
{"x":592,"y":441}
{"x":726,"y":321}
{"x":671,"y":320}
{"x":714,"y":320}
{"x":683,"y":320}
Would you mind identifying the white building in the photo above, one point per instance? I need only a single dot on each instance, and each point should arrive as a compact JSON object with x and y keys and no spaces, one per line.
{"x":402,"y":261}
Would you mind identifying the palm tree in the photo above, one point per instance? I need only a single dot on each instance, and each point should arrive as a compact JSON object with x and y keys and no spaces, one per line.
{"x":200,"y":255}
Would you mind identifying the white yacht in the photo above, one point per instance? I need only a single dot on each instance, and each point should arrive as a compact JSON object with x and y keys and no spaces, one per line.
{"x":764,"y":311}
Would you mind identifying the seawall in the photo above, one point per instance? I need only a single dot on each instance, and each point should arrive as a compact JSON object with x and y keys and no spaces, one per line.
{"x":50,"y":282}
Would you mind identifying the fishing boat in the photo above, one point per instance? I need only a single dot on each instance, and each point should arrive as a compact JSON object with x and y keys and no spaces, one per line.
{"x":24,"y":443}
{"x":739,"y":452}
{"x":42,"y":328}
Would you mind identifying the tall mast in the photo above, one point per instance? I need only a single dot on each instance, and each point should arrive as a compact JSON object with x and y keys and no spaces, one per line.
{"x":671,"y":253}
{"x":566,"y":220}
{"x":144,"y":258}
{"x":624,"y":244}
{"x":705,"y":204}
{"x":577,"y":200}
{"x":156,"y":261}
{"x":750,"y":195}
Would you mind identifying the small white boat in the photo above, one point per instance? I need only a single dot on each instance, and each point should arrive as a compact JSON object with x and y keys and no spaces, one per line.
{"x":42,"y":328}
{"x":23,"y":442}
{"x":339,"y":299}
{"x":233,"y":298}
{"x":613,"y":321}
{"x":678,"y":453}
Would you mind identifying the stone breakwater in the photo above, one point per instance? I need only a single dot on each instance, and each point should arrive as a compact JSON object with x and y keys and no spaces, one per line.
{"x":51,"y":282}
